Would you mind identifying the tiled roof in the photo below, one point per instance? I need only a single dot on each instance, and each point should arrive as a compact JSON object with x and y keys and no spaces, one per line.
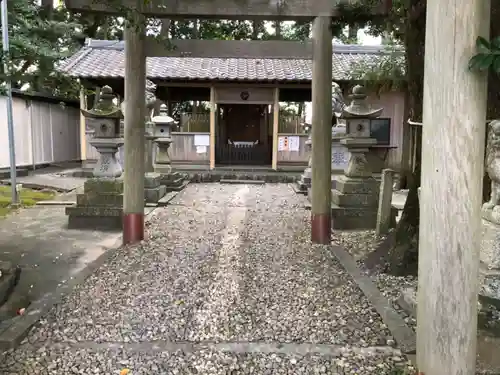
{"x":105,"y":59}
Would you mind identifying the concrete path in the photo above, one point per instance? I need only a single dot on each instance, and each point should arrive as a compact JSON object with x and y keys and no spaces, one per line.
{"x":227,"y":283}
{"x":37,"y":240}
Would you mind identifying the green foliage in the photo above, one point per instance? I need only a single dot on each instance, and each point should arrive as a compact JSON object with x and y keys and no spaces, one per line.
{"x":487,"y":57}
{"x":37,"y":43}
{"x":381,"y":73}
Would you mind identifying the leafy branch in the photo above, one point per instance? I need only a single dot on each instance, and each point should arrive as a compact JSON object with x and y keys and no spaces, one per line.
{"x":381,"y":73}
{"x":487,"y":57}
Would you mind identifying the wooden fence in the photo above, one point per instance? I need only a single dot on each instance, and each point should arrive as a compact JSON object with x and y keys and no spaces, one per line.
{"x":195,"y":122}
{"x":290,"y":124}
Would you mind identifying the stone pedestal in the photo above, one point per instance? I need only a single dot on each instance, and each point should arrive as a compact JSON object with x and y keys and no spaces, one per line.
{"x":163,"y":163}
{"x":355,"y":195}
{"x":154,"y":190}
{"x":305,"y":179}
{"x":100,"y":207}
{"x":148,"y":158}
{"x":490,"y":258}
{"x":107,"y":165}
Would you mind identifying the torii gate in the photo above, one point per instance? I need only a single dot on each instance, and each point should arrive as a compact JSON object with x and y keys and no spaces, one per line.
{"x":135,"y":75}
{"x":452,"y":162}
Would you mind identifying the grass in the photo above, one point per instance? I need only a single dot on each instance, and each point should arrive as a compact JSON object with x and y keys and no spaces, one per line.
{"x":28,"y":197}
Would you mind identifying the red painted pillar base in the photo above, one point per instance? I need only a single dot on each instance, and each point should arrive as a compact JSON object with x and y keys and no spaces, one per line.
{"x":133,"y":228}
{"x":321,"y":229}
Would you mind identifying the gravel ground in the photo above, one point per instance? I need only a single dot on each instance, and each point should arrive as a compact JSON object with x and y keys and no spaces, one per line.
{"x":230,"y":265}
{"x":360,"y":244}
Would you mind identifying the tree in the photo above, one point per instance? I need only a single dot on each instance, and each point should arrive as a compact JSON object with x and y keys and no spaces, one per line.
{"x":406,"y":23}
{"x":39,"y":37}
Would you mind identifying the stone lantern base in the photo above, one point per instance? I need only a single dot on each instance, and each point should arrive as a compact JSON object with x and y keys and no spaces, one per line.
{"x":154,"y":190}
{"x":174,"y":181}
{"x":100,"y":207}
{"x":355,"y":203}
{"x":304,"y":184}
{"x":355,"y":195}
{"x":489,"y":279}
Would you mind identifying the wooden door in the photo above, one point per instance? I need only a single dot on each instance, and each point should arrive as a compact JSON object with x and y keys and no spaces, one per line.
{"x":243,"y":122}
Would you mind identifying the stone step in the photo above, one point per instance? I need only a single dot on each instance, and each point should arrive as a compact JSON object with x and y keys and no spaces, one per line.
{"x":167,"y":198}
{"x":55,"y":203}
{"x":250,"y":182}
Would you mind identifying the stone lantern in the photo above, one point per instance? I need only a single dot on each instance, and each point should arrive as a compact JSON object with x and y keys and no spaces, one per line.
{"x":356,"y":193}
{"x":358,"y":115}
{"x":100,"y":206}
{"x":163,"y":138}
{"x":104,"y":119}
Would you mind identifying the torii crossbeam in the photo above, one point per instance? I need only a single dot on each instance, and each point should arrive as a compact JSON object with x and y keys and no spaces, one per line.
{"x":225,"y":9}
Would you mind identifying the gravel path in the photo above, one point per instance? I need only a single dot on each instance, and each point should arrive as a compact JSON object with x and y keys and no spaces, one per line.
{"x":227,"y":283}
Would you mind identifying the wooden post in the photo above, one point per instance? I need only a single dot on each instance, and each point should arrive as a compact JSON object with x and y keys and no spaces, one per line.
{"x":83,"y":128}
{"x":135,"y":114}
{"x":321,"y":131}
{"x":213,"y":109}
{"x":452,"y":171}
{"x":276,"y":119}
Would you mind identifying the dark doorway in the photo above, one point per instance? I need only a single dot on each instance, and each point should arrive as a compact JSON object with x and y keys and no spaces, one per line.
{"x":243,"y":135}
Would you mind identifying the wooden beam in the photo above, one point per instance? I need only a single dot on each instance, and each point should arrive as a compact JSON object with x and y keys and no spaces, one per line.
{"x":213,"y":108}
{"x":454,"y":117}
{"x":276,"y":119}
{"x":222,"y":9}
{"x":254,"y":49}
{"x":321,"y":132}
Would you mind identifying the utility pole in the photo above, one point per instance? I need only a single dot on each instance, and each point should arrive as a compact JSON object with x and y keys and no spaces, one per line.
{"x":8,"y":83}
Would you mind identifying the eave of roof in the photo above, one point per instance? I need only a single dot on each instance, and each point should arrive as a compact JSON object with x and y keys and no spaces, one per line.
{"x":104,"y":59}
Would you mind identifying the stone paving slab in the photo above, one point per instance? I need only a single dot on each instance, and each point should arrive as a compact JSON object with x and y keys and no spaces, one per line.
{"x":227,"y":283}
{"x":49,"y":181}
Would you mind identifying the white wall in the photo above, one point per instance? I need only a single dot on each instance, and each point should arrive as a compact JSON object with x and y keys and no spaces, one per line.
{"x":43,"y":132}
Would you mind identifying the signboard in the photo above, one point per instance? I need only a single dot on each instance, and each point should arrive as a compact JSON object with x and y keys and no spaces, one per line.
{"x":202,"y":140}
{"x":340,"y":157}
{"x":289,"y":143}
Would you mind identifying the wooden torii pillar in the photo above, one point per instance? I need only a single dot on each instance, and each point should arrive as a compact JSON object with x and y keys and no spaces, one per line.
{"x":321,"y":158}
{"x":133,"y":229}
{"x":135,"y":115}
{"x":450,"y":202}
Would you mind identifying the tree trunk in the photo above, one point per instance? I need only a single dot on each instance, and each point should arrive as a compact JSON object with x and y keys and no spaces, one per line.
{"x":352,"y":35}
{"x":277,"y":29}
{"x":257,"y":27}
{"x":165,"y":29}
{"x":173,"y":29}
{"x":403,"y":256}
